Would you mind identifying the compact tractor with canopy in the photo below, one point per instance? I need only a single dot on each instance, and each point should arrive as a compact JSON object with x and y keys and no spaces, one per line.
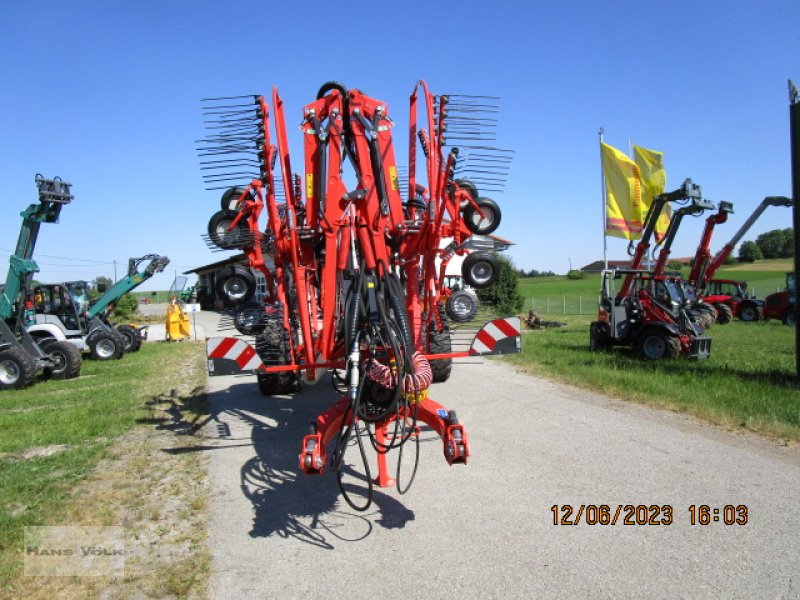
{"x":86,"y":323}
{"x":649,"y":312}
{"x":355,"y":273}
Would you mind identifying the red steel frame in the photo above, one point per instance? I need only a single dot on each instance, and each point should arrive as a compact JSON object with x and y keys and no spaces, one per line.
{"x":389,"y":237}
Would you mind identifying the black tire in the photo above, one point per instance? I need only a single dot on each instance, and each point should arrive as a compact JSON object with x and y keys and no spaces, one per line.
{"x":105,"y":345}
{"x":17,"y":368}
{"x":486,"y":224}
{"x":223,"y":237}
{"x":236,"y":285}
{"x":749,"y":312}
{"x":788,"y":317}
{"x":724,"y":313}
{"x":250,"y":320}
{"x":272,"y":346}
{"x":462,"y":306}
{"x":599,"y":336}
{"x":653,"y":344}
{"x":480,"y":269}
{"x":131,"y":342}
{"x":230,"y":198}
{"x":441,"y":343}
{"x":67,"y":359}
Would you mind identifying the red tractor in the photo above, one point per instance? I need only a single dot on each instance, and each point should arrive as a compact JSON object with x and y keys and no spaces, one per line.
{"x":355,"y":273}
{"x":731,"y":299}
{"x":780,"y":305}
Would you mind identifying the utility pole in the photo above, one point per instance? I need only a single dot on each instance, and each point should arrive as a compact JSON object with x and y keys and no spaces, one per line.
{"x":794,"y":135}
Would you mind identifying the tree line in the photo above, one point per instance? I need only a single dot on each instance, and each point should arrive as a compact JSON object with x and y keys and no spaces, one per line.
{"x":778,"y":243}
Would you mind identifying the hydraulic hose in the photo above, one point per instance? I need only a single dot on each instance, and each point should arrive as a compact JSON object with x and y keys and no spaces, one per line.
{"x":398,"y":304}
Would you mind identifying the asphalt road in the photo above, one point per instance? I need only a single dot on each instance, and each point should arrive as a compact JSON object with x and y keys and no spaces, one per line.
{"x":486,"y":530}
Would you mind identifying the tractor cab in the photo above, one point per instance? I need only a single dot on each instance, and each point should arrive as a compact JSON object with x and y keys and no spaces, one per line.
{"x":780,"y":305}
{"x":79,"y":290}
{"x":728,"y":287}
{"x":53,"y":303}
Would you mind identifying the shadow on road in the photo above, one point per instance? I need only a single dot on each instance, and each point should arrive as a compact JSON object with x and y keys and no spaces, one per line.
{"x":285,"y":501}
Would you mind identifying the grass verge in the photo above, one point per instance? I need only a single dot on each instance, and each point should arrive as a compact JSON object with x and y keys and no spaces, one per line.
{"x":90,"y":451}
{"x":747,"y":382}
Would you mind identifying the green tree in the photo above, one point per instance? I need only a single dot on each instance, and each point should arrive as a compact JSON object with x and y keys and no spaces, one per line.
{"x":749,"y":252}
{"x":126,"y":308}
{"x":504,"y":294}
{"x":675,"y":265}
{"x":778,"y":243}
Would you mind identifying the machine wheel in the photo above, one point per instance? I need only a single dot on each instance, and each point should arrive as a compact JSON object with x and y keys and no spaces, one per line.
{"x":220,"y":234}
{"x":441,"y":343}
{"x":106,"y":346}
{"x":250,"y":320}
{"x":655,"y":345}
{"x":724,"y":313}
{"x":67,"y":359}
{"x":480,"y":269}
{"x":462,"y":306}
{"x":749,"y":312}
{"x":486,"y":224}
{"x":272,"y":346}
{"x":788,"y":317}
{"x":599,"y":336}
{"x":17,"y":368}
{"x":131,"y":342}
{"x":236,"y":285}
{"x":230,"y":198}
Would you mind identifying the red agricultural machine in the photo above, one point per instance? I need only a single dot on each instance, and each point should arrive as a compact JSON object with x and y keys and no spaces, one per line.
{"x":649,"y":312}
{"x":729,"y":297}
{"x":355,"y":274}
{"x":780,"y":305}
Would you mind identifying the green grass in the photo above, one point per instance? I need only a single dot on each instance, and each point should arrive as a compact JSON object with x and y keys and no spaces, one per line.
{"x":747,"y":382}
{"x":763,"y":276}
{"x":86,"y":414}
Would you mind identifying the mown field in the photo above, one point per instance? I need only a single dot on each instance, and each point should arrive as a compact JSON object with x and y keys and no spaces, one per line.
{"x":747,"y":382}
{"x":53,"y":433}
{"x":557,"y":295}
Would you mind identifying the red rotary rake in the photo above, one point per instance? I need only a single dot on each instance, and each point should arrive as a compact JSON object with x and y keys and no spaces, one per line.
{"x":354,"y":278}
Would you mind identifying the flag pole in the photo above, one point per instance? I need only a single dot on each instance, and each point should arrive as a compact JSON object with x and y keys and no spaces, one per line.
{"x":603,"y":204}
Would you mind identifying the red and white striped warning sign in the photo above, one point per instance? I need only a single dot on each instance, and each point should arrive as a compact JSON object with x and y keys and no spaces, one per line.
{"x":501,"y":336}
{"x":234,"y":349}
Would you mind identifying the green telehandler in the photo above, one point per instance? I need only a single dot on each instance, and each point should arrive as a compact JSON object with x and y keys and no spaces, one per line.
{"x":23,"y":354}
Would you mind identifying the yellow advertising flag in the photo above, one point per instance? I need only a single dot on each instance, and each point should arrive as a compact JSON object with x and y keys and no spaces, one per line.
{"x":654,"y":182}
{"x":623,"y":194}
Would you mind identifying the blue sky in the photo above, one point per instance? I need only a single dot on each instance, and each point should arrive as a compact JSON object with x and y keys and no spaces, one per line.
{"x":106,"y":95}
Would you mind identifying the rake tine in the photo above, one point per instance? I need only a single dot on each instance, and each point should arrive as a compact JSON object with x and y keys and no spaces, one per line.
{"x":253,"y":96}
{"x":471,"y":96}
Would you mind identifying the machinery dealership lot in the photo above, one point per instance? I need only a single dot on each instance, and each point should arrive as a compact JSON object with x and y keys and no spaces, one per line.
{"x":486,"y":529}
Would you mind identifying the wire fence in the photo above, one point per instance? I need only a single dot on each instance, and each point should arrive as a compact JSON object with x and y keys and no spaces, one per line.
{"x":562,"y":305}
{"x":566,"y":304}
